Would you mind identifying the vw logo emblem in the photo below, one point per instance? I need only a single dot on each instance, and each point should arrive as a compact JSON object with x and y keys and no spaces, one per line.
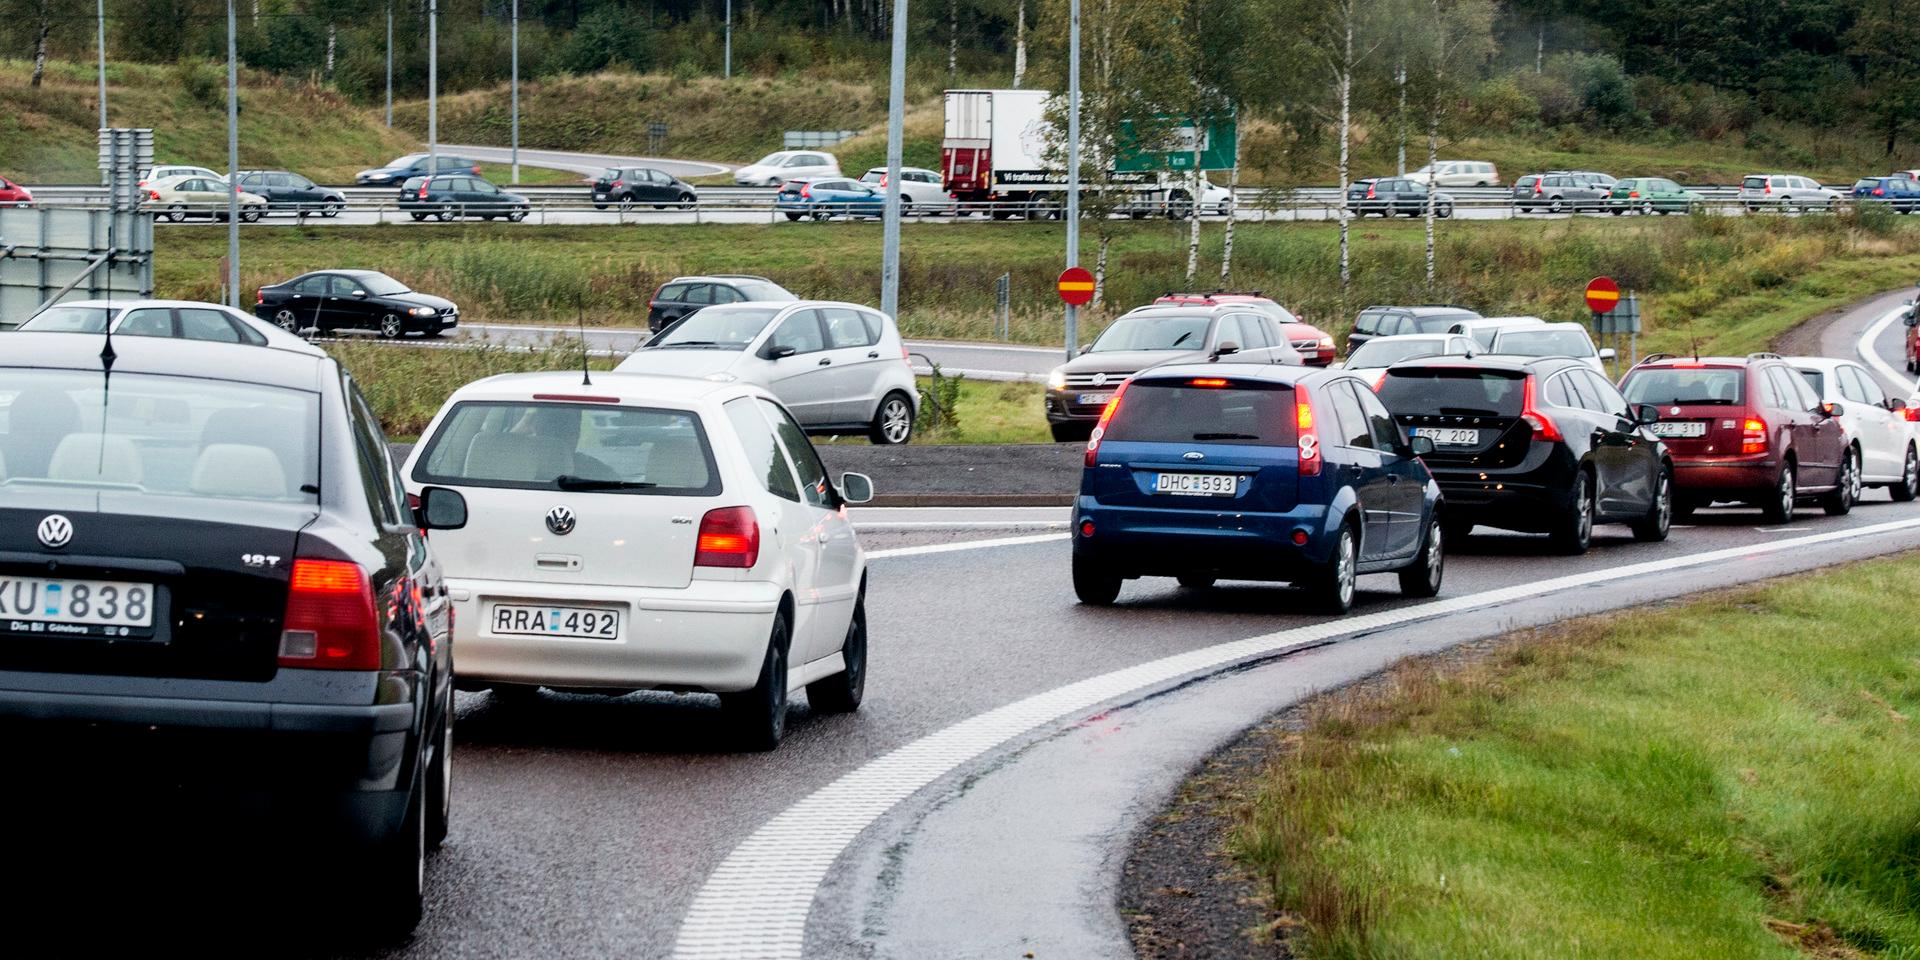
{"x":1099,"y":379}
{"x":56,"y":531}
{"x":1194,"y":455}
{"x":560,"y":521}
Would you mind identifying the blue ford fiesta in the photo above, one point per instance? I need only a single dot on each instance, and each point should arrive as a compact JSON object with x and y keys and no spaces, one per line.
{"x":1210,"y":471}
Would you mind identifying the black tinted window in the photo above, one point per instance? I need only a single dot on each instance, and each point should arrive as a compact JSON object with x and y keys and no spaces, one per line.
{"x":1353,"y":430}
{"x":769,"y":462}
{"x":1178,"y":411}
{"x":1462,"y":391}
{"x":813,"y":474}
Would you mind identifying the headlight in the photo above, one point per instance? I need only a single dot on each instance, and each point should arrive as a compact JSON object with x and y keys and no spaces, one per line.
{"x":1326,"y":343}
{"x":1057,"y":380}
{"x":421,"y":311}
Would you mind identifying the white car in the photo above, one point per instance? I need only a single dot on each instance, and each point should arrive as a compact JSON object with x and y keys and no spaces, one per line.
{"x":642,"y":532}
{"x":920,"y":190}
{"x":165,"y":171}
{"x":1458,"y":173}
{"x":1371,"y":359}
{"x":775,"y":169}
{"x":1550,"y":340}
{"x":1482,"y":329}
{"x":177,"y":319}
{"x":840,"y":367}
{"x":180,"y":197}
{"x":1884,"y":439}
{"x":1785,"y":192}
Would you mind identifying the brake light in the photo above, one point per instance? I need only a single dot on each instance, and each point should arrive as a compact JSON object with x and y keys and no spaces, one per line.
{"x":329,"y":623}
{"x":259,"y":296}
{"x":906,"y":356}
{"x":617,"y":184}
{"x":423,"y":191}
{"x":1370,"y":191}
{"x":1878,"y":192}
{"x":155,"y":194}
{"x":1753,"y":436}
{"x":1309,"y":442}
{"x":575,"y":398}
{"x":729,"y":537}
{"x":1207,"y":382}
{"x":1632,"y":193}
{"x":1912,"y":414}
{"x":1380,"y":381}
{"x":883,"y":180}
{"x":1536,"y":188}
{"x":806,"y":190}
{"x":1106,"y":416}
{"x":476,"y":169}
{"x":1544,"y":429}
{"x":1769,"y":187}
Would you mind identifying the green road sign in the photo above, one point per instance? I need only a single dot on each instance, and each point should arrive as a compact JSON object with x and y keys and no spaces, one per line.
{"x":1219,"y":142}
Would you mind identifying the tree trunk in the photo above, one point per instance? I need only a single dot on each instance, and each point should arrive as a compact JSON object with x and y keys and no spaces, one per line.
{"x":1433,"y":163}
{"x":1020,"y":45}
{"x":40,"y":53}
{"x":332,"y":36}
{"x":1540,"y":50}
{"x":1345,"y":83}
{"x":1233,"y":203}
{"x":1401,"y":78}
{"x":1100,"y":269}
{"x":1193,"y":211}
{"x":953,"y":37}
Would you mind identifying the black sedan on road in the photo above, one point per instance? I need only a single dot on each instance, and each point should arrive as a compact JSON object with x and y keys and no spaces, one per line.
{"x":330,"y":300}
{"x":1541,"y":445}
{"x":207,"y":635}
{"x":445,"y":198}
{"x":402,"y":169}
{"x":292,"y":193}
{"x":632,"y":186}
{"x":1396,"y":196}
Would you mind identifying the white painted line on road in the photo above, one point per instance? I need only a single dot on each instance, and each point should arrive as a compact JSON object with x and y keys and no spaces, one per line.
{"x":910,"y":526}
{"x":965,"y":545}
{"x":1865,"y":348}
{"x":755,"y":904}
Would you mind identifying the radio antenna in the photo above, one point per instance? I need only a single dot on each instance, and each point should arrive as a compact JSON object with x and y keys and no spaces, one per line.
{"x":580,"y":318}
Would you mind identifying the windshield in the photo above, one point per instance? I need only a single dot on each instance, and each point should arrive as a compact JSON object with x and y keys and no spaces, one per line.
{"x":379,"y":284}
{"x":571,"y":447}
{"x":1685,"y":385}
{"x":1153,"y":333}
{"x":1461,"y":391}
{"x":156,"y":435}
{"x":1172,"y":411}
{"x":68,"y":320}
{"x":756,"y":290}
{"x":1543,"y":343}
{"x":731,"y":327}
{"x":1386,"y":353}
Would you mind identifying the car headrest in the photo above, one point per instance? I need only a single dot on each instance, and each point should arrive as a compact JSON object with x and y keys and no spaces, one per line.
{"x":677,"y":462}
{"x":93,"y":458}
{"x":239,"y":470}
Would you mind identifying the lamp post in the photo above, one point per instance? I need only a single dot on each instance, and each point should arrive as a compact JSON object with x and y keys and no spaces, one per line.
{"x":896,"y":107}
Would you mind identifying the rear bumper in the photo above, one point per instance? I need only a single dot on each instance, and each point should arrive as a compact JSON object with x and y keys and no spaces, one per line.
{"x":711,"y":635}
{"x":1728,"y":478}
{"x":1530,"y":504}
{"x":1158,"y":542}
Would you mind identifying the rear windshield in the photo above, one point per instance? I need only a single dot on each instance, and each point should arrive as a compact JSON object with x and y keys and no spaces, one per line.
{"x":1386,"y":353}
{"x":68,"y":320}
{"x":575,"y":447}
{"x":1866,"y":184}
{"x":1756,"y":183}
{"x":1461,"y":391}
{"x":157,"y":435}
{"x":1543,"y":343}
{"x":1174,"y":411}
{"x":1154,"y":333}
{"x":731,"y":327}
{"x":1686,"y":385}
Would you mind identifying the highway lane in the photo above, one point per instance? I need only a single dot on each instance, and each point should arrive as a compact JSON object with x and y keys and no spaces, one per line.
{"x":586,"y":164}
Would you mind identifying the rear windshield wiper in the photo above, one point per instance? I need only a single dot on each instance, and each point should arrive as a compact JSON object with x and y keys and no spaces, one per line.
{"x":1225,"y":436}
{"x":570,"y":482}
{"x":690,"y":343}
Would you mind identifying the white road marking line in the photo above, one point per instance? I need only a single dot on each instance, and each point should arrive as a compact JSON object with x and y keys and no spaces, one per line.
{"x":1864,"y":347}
{"x":755,"y":904}
{"x":965,"y":545}
{"x":909,"y":525}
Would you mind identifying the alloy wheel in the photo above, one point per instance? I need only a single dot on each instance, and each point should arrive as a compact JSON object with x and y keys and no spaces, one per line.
{"x":285,"y":320}
{"x":1910,"y":475}
{"x":1854,"y":481}
{"x":1434,"y":557}
{"x":896,"y":421}
{"x":1343,"y":576}
{"x":390,"y":327}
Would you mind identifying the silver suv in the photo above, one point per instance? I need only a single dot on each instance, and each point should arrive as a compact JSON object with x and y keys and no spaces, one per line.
{"x":1784,"y":192}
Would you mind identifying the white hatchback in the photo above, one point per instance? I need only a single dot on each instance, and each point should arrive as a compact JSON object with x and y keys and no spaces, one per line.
{"x":1884,"y":440}
{"x":777,"y":168}
{"x":644,"y":532}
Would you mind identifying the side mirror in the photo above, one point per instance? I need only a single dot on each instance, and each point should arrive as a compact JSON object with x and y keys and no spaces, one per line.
{"x":1645,"y":413}
{"x":1607,"y":353}
{"x":1895,"y":403}
{"x":1086,"y":348}
{"x":440,"y":509}
{"x":1910,"y":318}
{"x":1226,"y":348}
{"x":856,"y":488}
{"x":360,"y":294}
{"x":1831,"y":410}
{"x":773,"y":352}
{"x":1421,"y":446}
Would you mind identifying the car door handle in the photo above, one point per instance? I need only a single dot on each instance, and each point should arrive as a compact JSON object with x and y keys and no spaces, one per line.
{"x":824,"y":361}
{"x":873,"y":354}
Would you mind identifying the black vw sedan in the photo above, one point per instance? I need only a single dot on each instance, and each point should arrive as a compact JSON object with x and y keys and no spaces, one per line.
{"x":217,"y":603}
{"x":329,"y":300}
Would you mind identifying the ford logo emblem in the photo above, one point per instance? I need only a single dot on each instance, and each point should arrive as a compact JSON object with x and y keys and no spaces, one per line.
{"x":1194,"y":455}
{"x":55,"y":531}
{"x":560,"y":520}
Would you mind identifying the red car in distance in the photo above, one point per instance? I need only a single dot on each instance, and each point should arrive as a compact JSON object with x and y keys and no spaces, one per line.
{"x":1314,"y":345}
{"x":14,"y":195}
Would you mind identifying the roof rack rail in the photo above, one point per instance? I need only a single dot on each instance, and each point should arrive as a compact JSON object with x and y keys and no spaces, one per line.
{"x":1764,"y":355}
{"x":1450,"y":306}
{"x":739,"y":276}
{"x":1651,"y":357}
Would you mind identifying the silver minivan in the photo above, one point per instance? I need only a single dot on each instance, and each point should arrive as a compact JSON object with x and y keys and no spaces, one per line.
{"x":1458,"y":173}
{"x":1784,"y":192}
{"x":838,"y":367}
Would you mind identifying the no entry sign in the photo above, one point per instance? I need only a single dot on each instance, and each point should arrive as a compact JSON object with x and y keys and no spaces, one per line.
{"x":1076,"y":286}
{"x":1602,"y":295}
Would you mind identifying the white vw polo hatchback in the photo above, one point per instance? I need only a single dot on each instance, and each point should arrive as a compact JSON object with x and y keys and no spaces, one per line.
{"x":648,"y":532}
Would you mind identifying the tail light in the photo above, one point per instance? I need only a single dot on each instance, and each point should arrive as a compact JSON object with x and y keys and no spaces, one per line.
{"x":155,"y":194}
{"x":1380,"y":381}
{"x":476,"y":169}
{"x":1536,"y":188}
{"x":1912,"y":414}
{"x":617,"y":184}
{"x":1370,"y":194}
{"x":1632,"y":193}
{"x":1753,"y":436}
{"x":1544,"y":429}
{"x":259,"y":296}
{"x":423,"y":191}
{"x":330,"y":623}
{"x":906,"y":356}
{"x":1878,"y":192}
{"x":806,"y":190}
{"x":1769,"y":187}
{"x":883,"y":181}
{"x":729,"y":537}
{"x":1309,"y":442}
{"x":1106,"y":416}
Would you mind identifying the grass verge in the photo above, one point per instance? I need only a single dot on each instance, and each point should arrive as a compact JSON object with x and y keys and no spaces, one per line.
{"x":1735,"y":776}
{"x":407,"y":385}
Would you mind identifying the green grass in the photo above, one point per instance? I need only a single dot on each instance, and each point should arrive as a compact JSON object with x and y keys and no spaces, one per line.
{"x":530,"y":176}
{"x":407,"y":385}
{"x":1735,"y":777}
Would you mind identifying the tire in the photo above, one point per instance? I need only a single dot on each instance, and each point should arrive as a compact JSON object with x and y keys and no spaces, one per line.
{"x":688,"y":200}
{"x":417,"y":217}
{"x":392,"y":327}
{"x":444,"y":214}
{"x":1616,"y":211}
{"x":1646,"y":208}
{"x":892,"y":420}
{"x":285,"y":320}
{"x":599,"y":206}
{"x":251,"y":214}
{"x":1178,"y":205}
{"x":842,"y":692}
{"x":176,"y":213}
{"x":758,"y":717}
{"x":330,"y":210}
{"x":1846,"y":487}
{"x":793,"y":217}
{"x":487,"y":217}
{"x":625,"y":202}
{"x":1444,"y":213}
{"x":1658,"y":522}
{"x":906,"y":208}
{"x":820,"y":216}
{"x":1332,"y":586}
{"x":439,"y":801}
{"x":1574,"y":533}
{"x":516,"y":216}
{"x":1422,"y":578}
{"x":1093,"y":582}
{"x":1778,"y":510}
{"x":1195,"y":581}
{"x":1553,"y":205}
{"x":1071,"y":432}
{"x":398,"y":874}
{"x":1909,"y":485}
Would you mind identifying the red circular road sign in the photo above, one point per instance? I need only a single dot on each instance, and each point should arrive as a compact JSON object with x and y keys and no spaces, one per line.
{"x":1602,"y":295}
{"x":1076,"y":286}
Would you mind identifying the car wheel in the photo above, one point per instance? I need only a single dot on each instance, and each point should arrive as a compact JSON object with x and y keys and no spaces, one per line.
{"x":487,"y":217}
{"x":1909,"y":485}
{"x":688,"y":200}
{"x":1778,"y":509}
{"x":893,"y":421}
{"x":285,"y":320}
{"x":417,"y":217}
{"x":1422,"y":578}
{"x":1178,"y":206}
{"x":444,"y":214}
{"x":399,"y":874}
{"x":1196,"y":581}
{"x":792,"y":217}
{"x":1646,"y":208}
{"x":176,"y":213}
{"x":330,"y":210}
{"x":1654,"y":527}
{"x":1071,"y":432}
{"x":1616,"y":211}
{"x":392,"y":327}
{"x":516,"y":216}
{"x":251,"y":214}
{"x":1096,"y":584}
{"x":599,"y":206}
{"x":1553,"y":205}
{"x":820,"y":216}
{"x":626,"y":202}
{"x":1332,"y":585}
{"x":1574,"y":533}
{"x":842,"y":692}
{"x":439,"y":802}
{"x":758,"y":717}
{"x":1445,"y":212}
{"x":1846,"y":487}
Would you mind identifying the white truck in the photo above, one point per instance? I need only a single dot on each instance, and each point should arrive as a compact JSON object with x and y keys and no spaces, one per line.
{"x":999,"y":155}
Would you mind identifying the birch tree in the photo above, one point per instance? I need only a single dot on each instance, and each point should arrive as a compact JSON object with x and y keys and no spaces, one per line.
{"x":1460,"y":34}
